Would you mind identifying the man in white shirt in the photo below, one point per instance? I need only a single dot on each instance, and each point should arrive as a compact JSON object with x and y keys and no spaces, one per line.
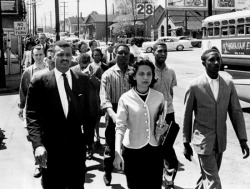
{"x":58,"y":112}
{"x":38,"y":66}
{"x":210,"y":98}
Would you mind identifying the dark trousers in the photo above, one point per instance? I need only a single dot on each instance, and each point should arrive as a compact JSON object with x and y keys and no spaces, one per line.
{"x":143,"y":167}
{"x":169,"y":155}
{"x":66,"y":157}
{"x":109,"y":152}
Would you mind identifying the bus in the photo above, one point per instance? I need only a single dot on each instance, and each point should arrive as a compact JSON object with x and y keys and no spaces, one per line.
{"x":229,"y":34}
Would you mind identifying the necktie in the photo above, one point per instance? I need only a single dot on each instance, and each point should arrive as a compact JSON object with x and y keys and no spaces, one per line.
{"x":110,"y":56}
{"x":67,"y":87}
{"x":70,"y":96}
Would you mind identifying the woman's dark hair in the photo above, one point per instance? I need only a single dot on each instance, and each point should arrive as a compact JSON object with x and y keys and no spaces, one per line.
{"x":142,"y":62}
{"x":84,"y":56}
{"x":81,"y":44}
{"x":97,"y":50}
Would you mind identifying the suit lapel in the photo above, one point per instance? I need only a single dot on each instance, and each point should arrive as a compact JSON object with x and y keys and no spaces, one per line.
{"x":207,"y":87}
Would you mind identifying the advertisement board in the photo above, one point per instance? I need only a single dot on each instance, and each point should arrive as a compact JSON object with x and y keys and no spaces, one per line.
{"x":9,"y":7}
{"x":203,"y":4}
{"x":235,"y":47}
{"x":242,"y":4}
{"x":186,"y":4}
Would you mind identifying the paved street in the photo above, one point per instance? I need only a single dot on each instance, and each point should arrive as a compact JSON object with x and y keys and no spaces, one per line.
{"x":17,"y":163}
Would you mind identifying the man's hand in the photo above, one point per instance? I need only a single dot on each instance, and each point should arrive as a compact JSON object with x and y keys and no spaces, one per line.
{"x":20,"y":114}
{"x":245,"y":148}
{"x":41,"y":156}
{"x":188,"y":152}
{"x":118,"y":161}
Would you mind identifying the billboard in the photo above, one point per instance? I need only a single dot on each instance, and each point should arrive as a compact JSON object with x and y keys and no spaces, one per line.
{"x":187,"y":4}
{"x":224,"y":4}
{"x":235,"y":47}
{"x":9,"y":7}
{"x":203,"y":4}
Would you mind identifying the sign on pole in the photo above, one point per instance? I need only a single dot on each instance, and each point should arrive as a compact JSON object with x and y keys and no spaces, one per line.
{"x":20,"y":28}
{"x":148,"y":8}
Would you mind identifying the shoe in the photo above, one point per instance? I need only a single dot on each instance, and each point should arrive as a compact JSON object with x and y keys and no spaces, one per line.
{"x":89,"y":155}
{"x":38,"y":172}
{"x":107,"y":179}
{"x":98,"y":144}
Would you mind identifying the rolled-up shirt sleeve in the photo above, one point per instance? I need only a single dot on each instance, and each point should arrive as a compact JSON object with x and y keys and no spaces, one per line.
{"x":105,"y":92}
{"x":122,"y":117}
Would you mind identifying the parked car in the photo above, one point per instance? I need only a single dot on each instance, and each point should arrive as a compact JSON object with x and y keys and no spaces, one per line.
{"x":71,"y":39}
{"x":173,"y":43}
{"x":64,"y":35}
{"x":196,"y":43}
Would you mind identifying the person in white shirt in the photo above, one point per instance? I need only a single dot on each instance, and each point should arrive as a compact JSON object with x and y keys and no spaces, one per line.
{"x":209,"y":99}
{"x":29,"y":73}
{"x":58,"y":112}
{"x":137,"y":114}
{"x":134,"y":49}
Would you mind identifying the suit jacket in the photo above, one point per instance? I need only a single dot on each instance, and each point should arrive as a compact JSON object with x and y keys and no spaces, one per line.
{"x":209,"y":125}
{"x":46,"y":122}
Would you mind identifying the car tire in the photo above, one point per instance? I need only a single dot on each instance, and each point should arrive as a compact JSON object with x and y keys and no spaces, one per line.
{"x":179,"y":48}
{"x":149,"y":49}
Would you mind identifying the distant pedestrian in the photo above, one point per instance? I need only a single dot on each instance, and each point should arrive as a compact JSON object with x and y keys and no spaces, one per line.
{"x":210,"y":97}
{"x":137,"y":114}
{"x":92,"y":46}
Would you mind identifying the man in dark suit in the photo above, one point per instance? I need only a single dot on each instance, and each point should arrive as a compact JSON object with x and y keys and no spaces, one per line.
{"x":57,"y":114}
{"x":210,"y":97}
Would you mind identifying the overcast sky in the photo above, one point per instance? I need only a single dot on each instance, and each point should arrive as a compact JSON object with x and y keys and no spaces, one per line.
{"x":47,"y":7}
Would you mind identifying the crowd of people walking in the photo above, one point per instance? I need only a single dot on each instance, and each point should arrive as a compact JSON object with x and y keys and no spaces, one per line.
{"x":66,"y":88}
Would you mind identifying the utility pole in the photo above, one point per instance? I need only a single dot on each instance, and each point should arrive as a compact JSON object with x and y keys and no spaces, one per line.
{"x":210,"y":11}
{"x":2,"y":67}
{"x":63,"y":14}
{"x":50,"y":19}
{"x":34,"y":16}
{"x":78,"y":28}
{"x":57,"y":20}
{"x":106,"y":21}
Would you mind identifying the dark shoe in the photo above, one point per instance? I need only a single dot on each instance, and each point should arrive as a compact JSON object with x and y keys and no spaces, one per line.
{"x":98,"y":144}
{"x":89,"y":155}
{"x":107,"y":179}
{"x":38,"y":172}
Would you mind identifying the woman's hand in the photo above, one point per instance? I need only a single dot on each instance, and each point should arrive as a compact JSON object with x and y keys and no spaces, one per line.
{"x":118,"y":161}
{"x":161,"y":129}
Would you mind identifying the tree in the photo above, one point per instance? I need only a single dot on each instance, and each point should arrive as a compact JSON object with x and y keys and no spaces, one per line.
{"x":128,"y":8}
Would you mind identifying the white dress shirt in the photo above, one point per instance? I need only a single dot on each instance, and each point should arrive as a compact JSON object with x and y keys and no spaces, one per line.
{"x":214,"y":85}
{"x":61,"y":89}
{"x":108,"y":56}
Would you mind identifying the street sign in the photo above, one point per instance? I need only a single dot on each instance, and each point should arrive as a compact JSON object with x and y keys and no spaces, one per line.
{"x":20,"y":28}
{"x":148,"y":8}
